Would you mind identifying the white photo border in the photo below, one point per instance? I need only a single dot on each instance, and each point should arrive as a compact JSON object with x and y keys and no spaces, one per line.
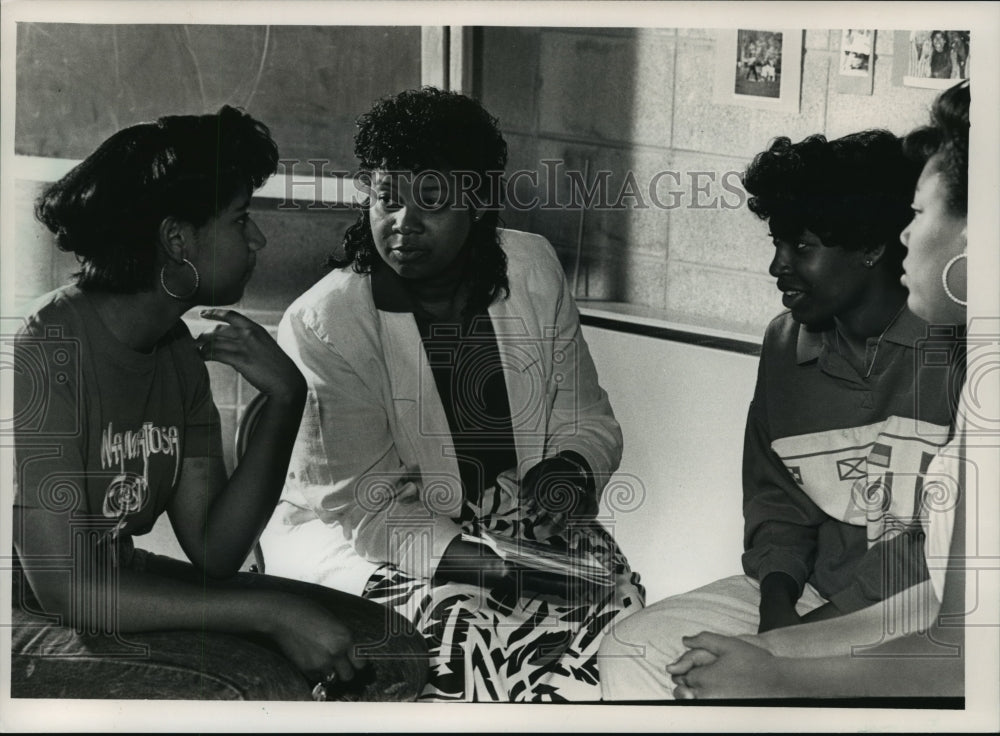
{"x":901,"y":44}
{"x":981,"y":712}
{"x":727,"y":56}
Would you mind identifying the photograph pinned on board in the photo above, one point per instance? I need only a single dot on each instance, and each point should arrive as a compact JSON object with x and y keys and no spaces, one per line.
{"x":935,"y":59}
{"x":856,"y":62}
{"x":759,"y":68}
{"x":856,"y":52}
{"x":758,"y":72}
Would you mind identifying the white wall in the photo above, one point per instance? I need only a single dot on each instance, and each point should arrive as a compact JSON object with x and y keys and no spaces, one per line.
{"x":682,"y":410}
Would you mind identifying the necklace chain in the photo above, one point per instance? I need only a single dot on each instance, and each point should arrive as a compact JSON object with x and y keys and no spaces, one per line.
{"x":878,"y":343}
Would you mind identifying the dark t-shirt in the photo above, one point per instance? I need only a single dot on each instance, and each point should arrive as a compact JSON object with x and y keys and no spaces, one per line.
{"x":101,"y":429}
{"x":469,"y":376}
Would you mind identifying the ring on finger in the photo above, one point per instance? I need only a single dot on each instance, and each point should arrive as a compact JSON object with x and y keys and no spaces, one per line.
{"x":319,"y":692}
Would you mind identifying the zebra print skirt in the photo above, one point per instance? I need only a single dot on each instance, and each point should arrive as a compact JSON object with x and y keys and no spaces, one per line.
{"x":510,"y":644}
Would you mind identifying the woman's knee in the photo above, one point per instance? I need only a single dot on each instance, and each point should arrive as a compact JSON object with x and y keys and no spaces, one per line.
{"x":625,"y":637}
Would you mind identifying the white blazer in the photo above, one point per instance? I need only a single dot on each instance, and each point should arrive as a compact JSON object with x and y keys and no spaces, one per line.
{"x":373,"y":477}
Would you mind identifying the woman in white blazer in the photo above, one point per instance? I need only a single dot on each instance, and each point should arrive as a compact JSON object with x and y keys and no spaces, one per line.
{"x":451,"y":394}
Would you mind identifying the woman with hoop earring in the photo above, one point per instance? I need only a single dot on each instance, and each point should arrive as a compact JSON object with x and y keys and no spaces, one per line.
{"x":115,"y":425}
{"x":929,"y":661}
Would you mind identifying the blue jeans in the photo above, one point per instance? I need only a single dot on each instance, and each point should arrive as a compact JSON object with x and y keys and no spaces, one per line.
{"x":52,"y":661}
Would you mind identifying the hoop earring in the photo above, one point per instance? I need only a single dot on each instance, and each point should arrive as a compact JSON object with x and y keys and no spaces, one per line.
{"x":944,"y":280}
{"x":180,"y":297}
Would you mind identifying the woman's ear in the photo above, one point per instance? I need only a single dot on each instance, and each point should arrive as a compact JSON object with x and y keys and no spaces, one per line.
{"x":874,"y":254}
{"x":174,"y":238}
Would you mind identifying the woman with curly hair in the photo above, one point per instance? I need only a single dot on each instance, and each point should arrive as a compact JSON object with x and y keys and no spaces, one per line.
{"x":845,"y":414}
{"x":115,"y":426}
{"x":453,"y":411}
{"x":929,"y":661}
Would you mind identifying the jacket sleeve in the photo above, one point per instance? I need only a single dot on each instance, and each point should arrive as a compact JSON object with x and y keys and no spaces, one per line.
{"x":780,"y":520}
{"x":581,"y":419}
{"x":345,"y":466}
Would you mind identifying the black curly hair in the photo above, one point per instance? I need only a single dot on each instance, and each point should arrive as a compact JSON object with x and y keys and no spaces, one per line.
{"x":948,"y":135}
{"x":853,"y":192}
{"x":430,"y":129}
{"x":108,"y":209}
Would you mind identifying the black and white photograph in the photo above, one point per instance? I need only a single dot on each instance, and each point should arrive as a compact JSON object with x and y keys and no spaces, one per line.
{"x":759,"y":70}
{"x":856,"y":47}
{"x":937,"y":57}
{"x":856,"y":68}
{"x":382,"y":366}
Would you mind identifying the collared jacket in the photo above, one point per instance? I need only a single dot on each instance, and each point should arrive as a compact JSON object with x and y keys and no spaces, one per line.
{"x":835,"y":462}
{"x":373,"y":477}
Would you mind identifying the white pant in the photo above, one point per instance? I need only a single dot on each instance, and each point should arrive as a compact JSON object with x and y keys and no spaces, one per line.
{"x":636,"y":650}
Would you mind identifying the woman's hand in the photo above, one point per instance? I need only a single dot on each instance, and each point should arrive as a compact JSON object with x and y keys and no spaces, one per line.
{"x":717,"y":666}
{"x":217,"y":520}
{"x":246,"y":346}
{"x":313,"y":639}
{"x":557,"y":489}
{"x":471,"y":563}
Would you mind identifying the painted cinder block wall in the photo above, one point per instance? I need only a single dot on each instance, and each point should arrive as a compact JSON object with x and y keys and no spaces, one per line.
{"x":624,"y":100}
{"x":640,"y":100}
